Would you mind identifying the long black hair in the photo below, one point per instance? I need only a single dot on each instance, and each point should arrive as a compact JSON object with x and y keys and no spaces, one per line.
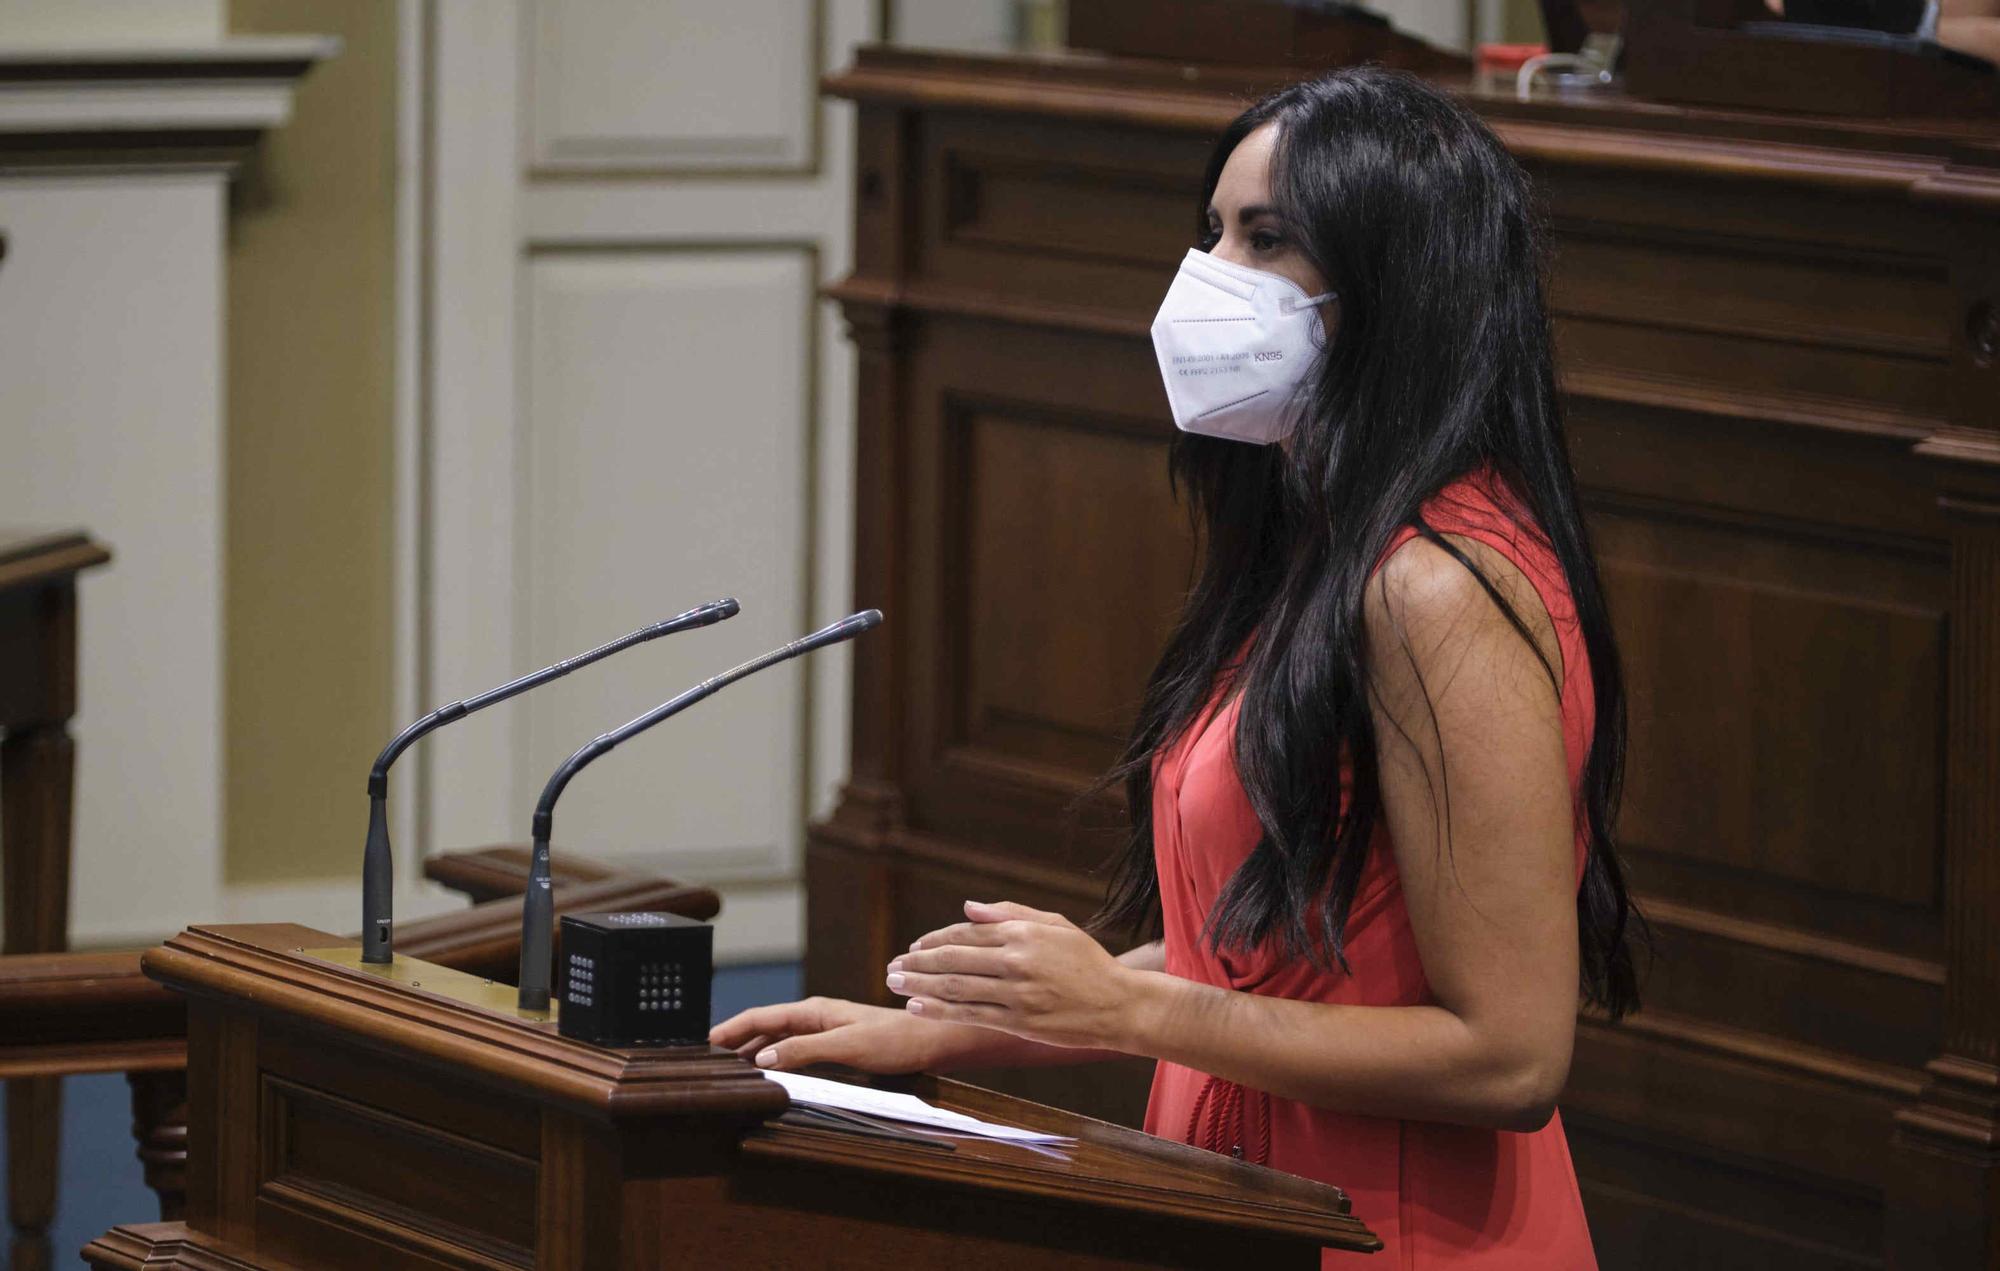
{"x":1441,"y":367}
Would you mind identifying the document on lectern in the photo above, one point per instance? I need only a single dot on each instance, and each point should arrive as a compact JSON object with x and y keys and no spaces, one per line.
{"x":893,"y":1106}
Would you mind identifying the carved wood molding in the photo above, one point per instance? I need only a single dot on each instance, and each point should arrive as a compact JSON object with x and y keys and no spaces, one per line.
{"x":861,"y":295}
{"x":75,"y":1059}
{"x":866,"y":815}
{"x":167,"y":1246}
{"x":1960,"y":1106}
{"x":874,"y":322}
{"x":1956,"y":1117}
{"x":148,"y":108}
{"x":1972,"y":786}
{"x":45,"y":558}
{"x":159,"y":1126}
{"x":1751,"y":1106}
{"x":1967,"y":448}
{"x":64,"y":1013}
{"x":268,"y":964}
{"x":872,"y":303}
{"x":1928,"y":180}
{"x":879,"y":77}
{"x":1782,"y":1055}
{"x":1836,"y":155}
{"x":1782,"y":939}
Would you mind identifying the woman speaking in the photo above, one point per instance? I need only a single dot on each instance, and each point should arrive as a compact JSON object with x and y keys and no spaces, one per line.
{"x":1373,"y":779}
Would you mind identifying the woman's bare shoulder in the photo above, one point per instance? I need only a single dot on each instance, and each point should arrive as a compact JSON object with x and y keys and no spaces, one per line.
{"x":1423,"y":595}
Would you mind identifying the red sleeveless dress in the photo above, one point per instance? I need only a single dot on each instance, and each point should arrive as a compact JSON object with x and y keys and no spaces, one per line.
{"x":1438,"y":1195}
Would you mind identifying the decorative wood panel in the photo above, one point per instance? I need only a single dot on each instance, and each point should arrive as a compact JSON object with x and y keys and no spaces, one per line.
{"x":1779,"y":979}
{"x":1089,"y":227}
{"x":666,"y":462}
{"x":1786,"y":703}
{"x":1014,"y":471}
{"x":1831,"y":331}
{"x":1071,"y":211}
{"x":665,"y":87}
{"x":1038,"y":687}
{"x":1769,"y":290}
{"x":333,"y":1160}
{"x":1657,"y":1206}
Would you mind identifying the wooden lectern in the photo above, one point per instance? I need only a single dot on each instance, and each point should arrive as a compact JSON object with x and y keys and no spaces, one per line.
{"x":409,"y":1116}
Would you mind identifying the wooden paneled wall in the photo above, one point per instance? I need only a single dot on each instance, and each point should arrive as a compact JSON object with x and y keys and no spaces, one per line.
{"x":1776,"y":338}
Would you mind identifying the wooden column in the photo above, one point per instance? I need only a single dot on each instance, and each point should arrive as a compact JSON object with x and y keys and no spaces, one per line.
{"x":37,"y":771}
{"x":159,"y":1128}
{"x":1946,"y":1194}
{"x":849,"y":904}
{"x":1944,"y":1209}
{"x":37,"y":768}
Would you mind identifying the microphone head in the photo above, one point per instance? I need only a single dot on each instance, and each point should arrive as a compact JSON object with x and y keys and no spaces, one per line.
{"x":846,"y":629}
{"x":700,"y":616}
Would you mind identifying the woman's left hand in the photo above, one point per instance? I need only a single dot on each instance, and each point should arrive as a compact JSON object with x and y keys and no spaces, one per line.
{"x":1024,"y":971}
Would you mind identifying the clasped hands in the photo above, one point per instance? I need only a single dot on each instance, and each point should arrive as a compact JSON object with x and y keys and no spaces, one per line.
{"x":1023,"y":971}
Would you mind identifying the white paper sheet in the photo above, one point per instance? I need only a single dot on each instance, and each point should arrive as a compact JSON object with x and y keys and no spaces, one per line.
{"x":900,"y":1107}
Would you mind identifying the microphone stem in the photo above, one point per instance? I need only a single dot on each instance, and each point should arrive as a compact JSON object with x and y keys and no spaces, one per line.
{"x":378,"y":869}
{"x":537,"y":927}
{"x":537,"y":921}
{"x":378,"y":886}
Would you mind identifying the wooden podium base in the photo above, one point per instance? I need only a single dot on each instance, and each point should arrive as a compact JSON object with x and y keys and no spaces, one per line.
{"x":340,"y":1117}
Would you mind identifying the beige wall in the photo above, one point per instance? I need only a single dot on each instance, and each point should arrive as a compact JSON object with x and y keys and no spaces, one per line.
{"x":309,"y":475}
{"x":1521,"y":22}
{"x":82,"y":21}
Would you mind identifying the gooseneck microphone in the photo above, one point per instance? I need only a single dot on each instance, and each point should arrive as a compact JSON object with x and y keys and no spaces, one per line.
{"x":537,"y":904}
{"x":377,"y":866}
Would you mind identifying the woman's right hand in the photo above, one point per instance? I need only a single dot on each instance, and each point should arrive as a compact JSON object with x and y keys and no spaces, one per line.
{"x":827,"y":1030}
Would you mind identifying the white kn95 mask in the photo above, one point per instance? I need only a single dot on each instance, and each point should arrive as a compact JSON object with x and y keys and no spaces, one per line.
{"x":1235,"y":345}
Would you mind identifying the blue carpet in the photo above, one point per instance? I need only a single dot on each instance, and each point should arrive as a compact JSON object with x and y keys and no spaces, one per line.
{"x":739,"y":988}
{"x":99,"y":1181}
{"x":101,"y":1184}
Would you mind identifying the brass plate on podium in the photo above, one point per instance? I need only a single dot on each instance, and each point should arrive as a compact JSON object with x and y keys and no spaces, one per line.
{"x":459,"y":986}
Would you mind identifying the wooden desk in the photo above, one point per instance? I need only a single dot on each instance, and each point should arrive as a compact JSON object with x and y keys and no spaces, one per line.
{"x":37,"y":770}
{"x":341,"y":1119}
{"x":68,"y":1013}
{"x":1777,"y":337}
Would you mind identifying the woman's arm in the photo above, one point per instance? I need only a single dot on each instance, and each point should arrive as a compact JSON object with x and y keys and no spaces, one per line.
{"x":1977,"y":34}
{"x":1146,"y":957}
{"x":876,"y":1039}
{"x":1476,"y":795}
{"x":1005,"y":1050}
